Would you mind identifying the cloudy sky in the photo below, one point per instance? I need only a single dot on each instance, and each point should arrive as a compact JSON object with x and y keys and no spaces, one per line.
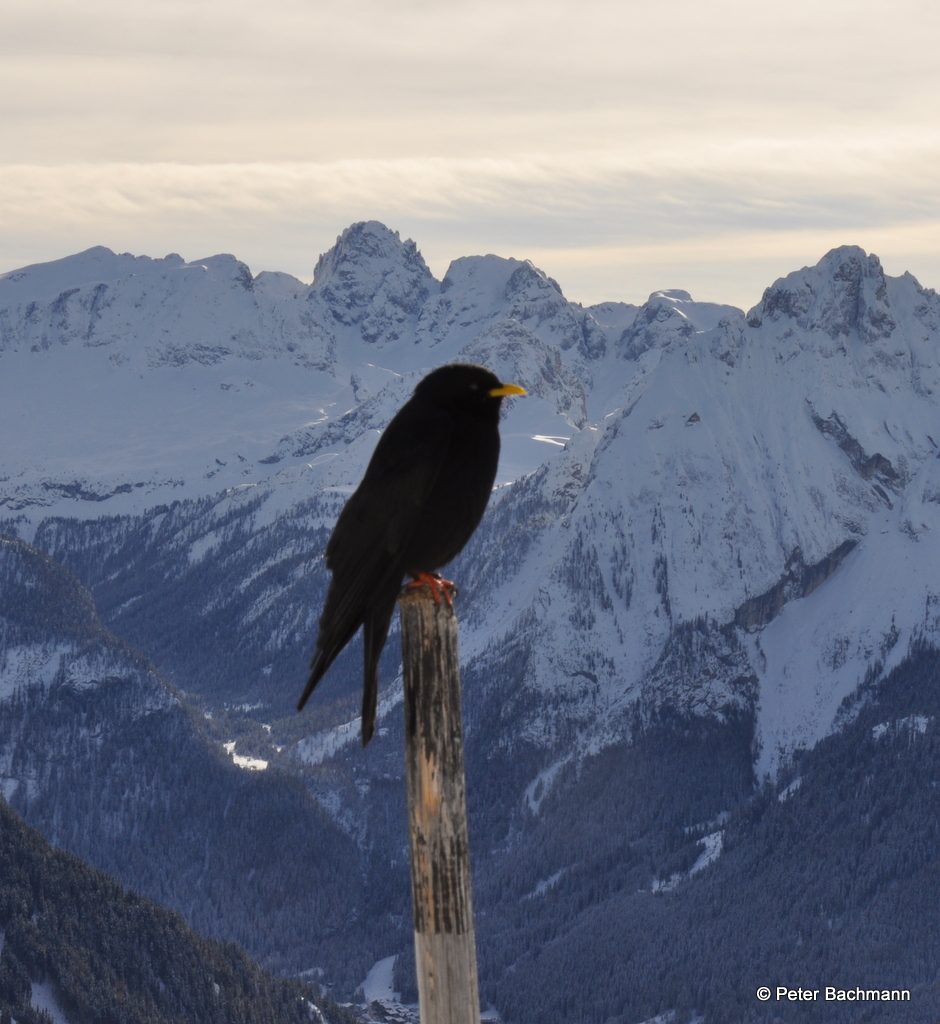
{"x":623,"y":146}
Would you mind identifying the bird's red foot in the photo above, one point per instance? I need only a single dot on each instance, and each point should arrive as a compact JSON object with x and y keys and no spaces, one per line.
{"x":437,"y":583}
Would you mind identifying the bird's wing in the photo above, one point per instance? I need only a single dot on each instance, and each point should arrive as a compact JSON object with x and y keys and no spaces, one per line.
{"x":382,"y":515}
{"x":364,"y":551}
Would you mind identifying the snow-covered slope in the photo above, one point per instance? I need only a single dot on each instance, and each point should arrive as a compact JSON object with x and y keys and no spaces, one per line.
{"x":763,"y":497}
{"x":133,"y":381}
{"x":713,"y":510}
{"x":711,"y":528}
{"x":98,"y":752}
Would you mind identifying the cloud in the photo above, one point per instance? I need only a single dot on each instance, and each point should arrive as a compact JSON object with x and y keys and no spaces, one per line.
{"x":688,"y":183}
{"x":615,"y":133}
{"x":213,"y":81}
{"x":620,"y":209}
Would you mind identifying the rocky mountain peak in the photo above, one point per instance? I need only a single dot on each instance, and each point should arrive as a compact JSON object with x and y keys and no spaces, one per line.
{"x":372,"y":279}
{"x":845,"y":292}
{"x":659,"y":322}
{"x":226,"y":268}
{"x":670,"y":317}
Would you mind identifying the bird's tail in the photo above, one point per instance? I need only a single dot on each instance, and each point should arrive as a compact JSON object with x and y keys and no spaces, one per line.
{"x":374,"y":634}
{"x":335,"y":633}
{"x":375,"y":623}
{"x":318,"y":666}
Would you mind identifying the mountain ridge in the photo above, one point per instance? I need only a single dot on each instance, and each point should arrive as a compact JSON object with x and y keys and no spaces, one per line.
{"x":712,"y":529}
{"x":702,"y":397}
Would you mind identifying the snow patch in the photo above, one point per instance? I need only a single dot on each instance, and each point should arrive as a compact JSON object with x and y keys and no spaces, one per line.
{"x":378,"y":984}
{"x":786,"y":793}
{"x":44,"y":998}
{"x":713,"y":845}
{"x":30,"y":665}
{"x":545,"y":885}
{"x":541,"y":785}
{"x":318,"y":747}
{"x":385,"y":1003}
{"x":914,"y":725}
{"x":252,"y":764}
{"x":712,"y":851}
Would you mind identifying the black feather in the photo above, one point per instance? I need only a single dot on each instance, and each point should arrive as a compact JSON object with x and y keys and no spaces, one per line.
{"x":423,"y":494}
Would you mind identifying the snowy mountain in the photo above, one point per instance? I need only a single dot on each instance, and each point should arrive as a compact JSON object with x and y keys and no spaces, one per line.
{"x":713,"y":531}
{"x":715,"y":466}
{"x":135,"y":381}
{"x":740,"y":467}
{"x":98,"y":752}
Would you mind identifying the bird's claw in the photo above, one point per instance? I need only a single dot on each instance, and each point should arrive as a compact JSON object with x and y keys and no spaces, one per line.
{"x":439,"y":586}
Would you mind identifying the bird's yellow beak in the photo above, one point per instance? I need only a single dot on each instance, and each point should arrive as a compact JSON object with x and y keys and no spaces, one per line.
{"x":507,"y":389}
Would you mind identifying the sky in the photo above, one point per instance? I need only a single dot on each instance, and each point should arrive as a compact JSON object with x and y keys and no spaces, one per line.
{"x":623,"y":147}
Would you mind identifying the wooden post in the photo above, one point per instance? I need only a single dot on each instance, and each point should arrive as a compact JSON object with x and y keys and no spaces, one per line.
{"x":445,"y":945}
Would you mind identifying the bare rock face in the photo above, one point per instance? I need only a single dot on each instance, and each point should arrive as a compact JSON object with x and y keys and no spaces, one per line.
{"x":846,"y":291}
{"x":373,"y":280}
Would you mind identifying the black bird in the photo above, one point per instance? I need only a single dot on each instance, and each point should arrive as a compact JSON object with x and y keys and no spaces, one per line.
{"x":423,"y":494}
